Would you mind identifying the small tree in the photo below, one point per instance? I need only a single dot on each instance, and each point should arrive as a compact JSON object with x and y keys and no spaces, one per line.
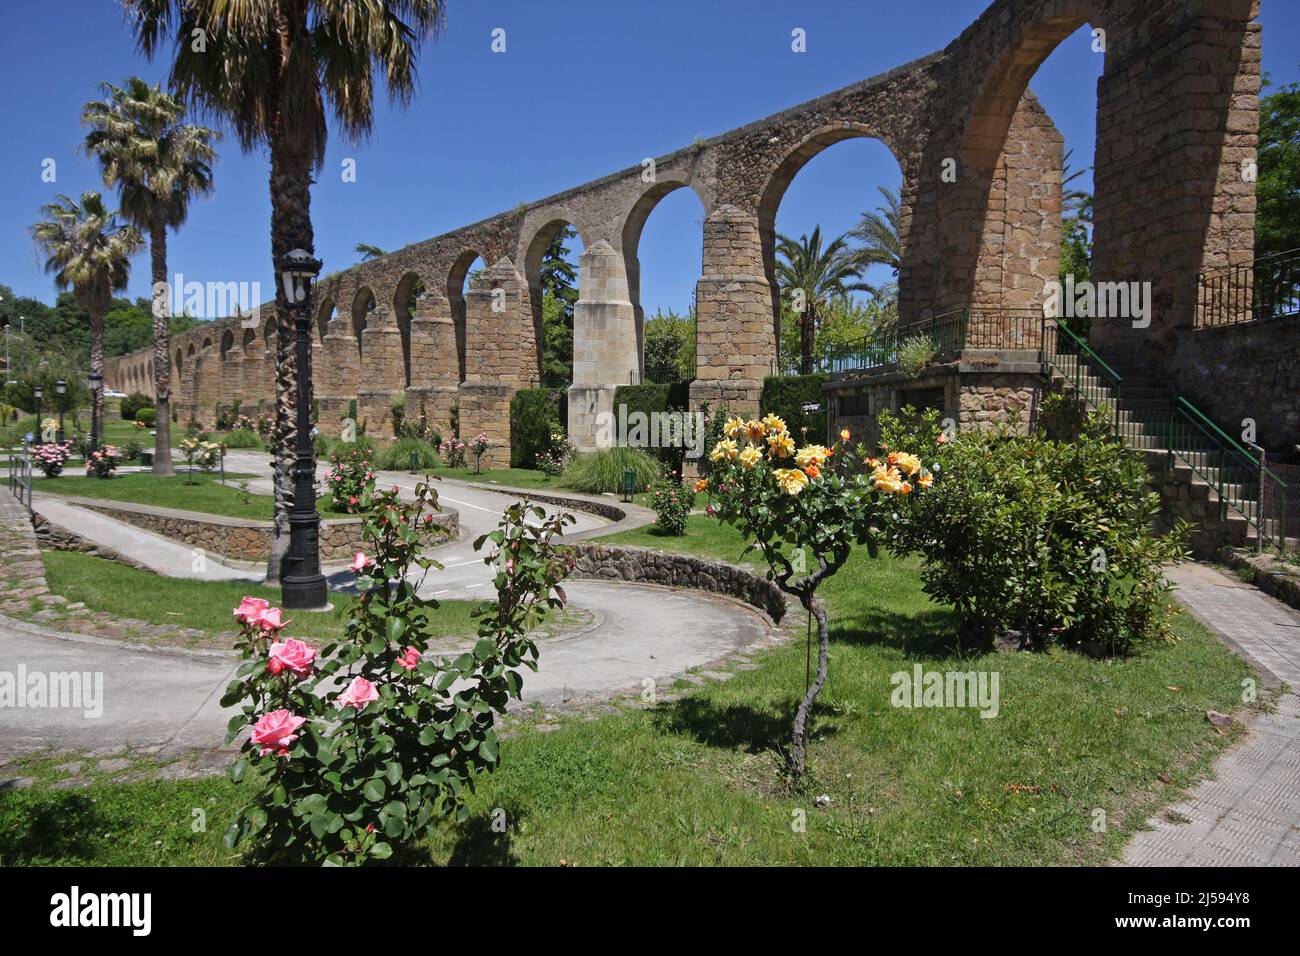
{"x":804,"y":509}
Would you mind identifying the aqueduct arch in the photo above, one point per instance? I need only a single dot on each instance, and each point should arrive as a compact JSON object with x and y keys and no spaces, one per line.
{"x":1177,"y":114}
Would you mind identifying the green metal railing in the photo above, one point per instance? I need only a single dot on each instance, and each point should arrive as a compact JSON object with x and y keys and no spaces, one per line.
{"x":1090,"y":376}
{"x":1268,"y":287}
{"x":20,"y":476}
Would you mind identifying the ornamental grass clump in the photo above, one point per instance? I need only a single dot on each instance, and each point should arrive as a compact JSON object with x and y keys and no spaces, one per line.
{"x":358,"y":748}
{"x":803,"y":509}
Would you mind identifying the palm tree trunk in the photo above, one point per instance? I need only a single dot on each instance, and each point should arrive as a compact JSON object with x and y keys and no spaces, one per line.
{"x":162,"y":350}
{"x":290,"y":229}
{"x":97,"y":310}
{"x":806,"y":324}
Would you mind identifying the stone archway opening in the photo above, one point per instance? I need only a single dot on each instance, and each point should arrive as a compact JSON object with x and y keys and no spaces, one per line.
{"x":467,"y":266}
{"x":832,"y":222}
{"x":670,"y":254}
{"x":409,"y":290}
{"x":553,"y":272}
{"x":363,"y":303}
{"x":324,"y":314}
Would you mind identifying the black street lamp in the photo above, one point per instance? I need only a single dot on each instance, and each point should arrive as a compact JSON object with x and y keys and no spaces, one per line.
{"x":96,"y":382}
{"x":61,"y":389}
{"x":301,"y":583}
{"x":38,"y":393}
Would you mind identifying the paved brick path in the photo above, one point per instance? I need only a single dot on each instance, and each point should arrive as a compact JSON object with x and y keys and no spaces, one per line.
{"x":1249,"y":814}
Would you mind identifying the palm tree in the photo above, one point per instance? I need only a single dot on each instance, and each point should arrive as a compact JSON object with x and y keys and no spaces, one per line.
{"x":367,"y":252}
{"x":880,"y":232}
{"x":820,"y":275}
{"x":158,"y":164}
{"x":272,"y":69}
{"x":88,"y":248}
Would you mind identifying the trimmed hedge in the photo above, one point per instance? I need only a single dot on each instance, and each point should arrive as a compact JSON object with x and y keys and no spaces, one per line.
{"x":133,"y":403}
{"x":785,"y":396}
{"x":534,"y":413}
{"x":651,"y":398}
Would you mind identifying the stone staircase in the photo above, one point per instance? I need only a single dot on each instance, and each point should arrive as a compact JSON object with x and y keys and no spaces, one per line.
{"x":1198,"y":480}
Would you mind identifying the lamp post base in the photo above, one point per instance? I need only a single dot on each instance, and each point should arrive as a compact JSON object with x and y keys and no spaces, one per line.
{"x":305,"y":593}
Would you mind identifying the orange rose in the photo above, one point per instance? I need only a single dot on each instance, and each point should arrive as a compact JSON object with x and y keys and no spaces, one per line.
{"x":812,"y":471}
{"x":844,"y":434}
{"x":702,"y":484}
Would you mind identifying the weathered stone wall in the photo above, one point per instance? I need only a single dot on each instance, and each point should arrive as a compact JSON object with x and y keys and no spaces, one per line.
{"x":980,"y":162}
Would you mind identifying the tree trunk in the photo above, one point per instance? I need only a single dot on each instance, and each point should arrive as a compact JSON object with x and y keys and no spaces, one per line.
{"x":97,"y":310}
{"x":799,"y":739}
{"x":806,"y":324}
{"x":162,"y":350}
{"x":290,"y":229}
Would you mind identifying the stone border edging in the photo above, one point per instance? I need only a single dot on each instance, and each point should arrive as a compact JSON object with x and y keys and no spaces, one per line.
{"x":1268,"y":577}
{"x":599,"y":561}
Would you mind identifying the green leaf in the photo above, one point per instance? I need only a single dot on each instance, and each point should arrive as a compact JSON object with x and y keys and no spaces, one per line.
{"x":374,"y":789}
{"x":396,"y":628}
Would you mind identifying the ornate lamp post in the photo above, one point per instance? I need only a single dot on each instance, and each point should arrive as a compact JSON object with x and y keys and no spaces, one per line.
{"x":301,"y":583}
{"x":38,"y":393}
{"x":61,"y":389}
{"x":96,"y":382}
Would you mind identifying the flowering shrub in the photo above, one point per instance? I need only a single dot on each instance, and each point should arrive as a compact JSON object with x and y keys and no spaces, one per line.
{"x":103,"y":462}
{"x":358,"y":748}
{"x":351,"y":481}
{"x":478,"y":448}
{"x":803,"y":508}
{"x":206,"y":455}
{"x":452,"y":452}
{"x":551,"y":461}
{"x":50,"y":457}
{"x":672,"y":505}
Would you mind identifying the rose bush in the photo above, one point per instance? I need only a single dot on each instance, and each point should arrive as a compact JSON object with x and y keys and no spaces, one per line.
{"x":351,"y":480}
{"x":804,"y":508}
{"x":358,"y":748}
{"x":672,"y":504}
{"x":50,"y":457}
{"x":103,"y":461}
{"x":452,"y":452}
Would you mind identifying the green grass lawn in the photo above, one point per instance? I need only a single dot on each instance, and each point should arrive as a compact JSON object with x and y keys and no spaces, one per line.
{"x":530,"y":478}
{"x":696,"y":780}
{"x":206,"y":494}
{"x":206,"y":605}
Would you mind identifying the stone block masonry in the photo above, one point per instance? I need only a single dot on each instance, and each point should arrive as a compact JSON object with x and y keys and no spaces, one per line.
{"x":980,"y":207}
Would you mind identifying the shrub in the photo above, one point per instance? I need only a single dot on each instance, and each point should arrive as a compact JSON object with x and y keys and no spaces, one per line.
{"x":478,"y":447}
{"x":132,"y":404}
{"x":452,"y":452}
{"x":915,"y":354}
{"x":361,"y":747}
{"x":132,"y":450}
{"x":672,"y":505}
{"x":397,"y":456}
{"x":534,"y":416}
{"x":51,"y":456}
{"x":147,"y":417}
{"x":351,"y":481}
{"x":204,"y":454}
{"x":649,"y":400}
{"x":785,"y":395}
{"x":551,"y":462}
{"x":602,"y":471}
{"x":1048,"y":539}
{"x":241,"y":438}
{"x":103,"y":462}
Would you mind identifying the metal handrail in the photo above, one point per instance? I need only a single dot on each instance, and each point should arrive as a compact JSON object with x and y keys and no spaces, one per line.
{"x":20,"y":477}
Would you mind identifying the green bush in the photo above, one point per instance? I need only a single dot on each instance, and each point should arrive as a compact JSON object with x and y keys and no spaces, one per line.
{"x":649,"y":399}
{"x":672,"y":504}
{"x":534,"y":417}
{"x":1049,"y":539}
{"x":602,"y":471}
{"x":241,"y":438}
{"x":147,"y":416}
{"x":785,"y":395}
{"x":915,"y":355}
{"x":333,"y":447}
{"x":397,"y":456}
{"x":132,"y":404}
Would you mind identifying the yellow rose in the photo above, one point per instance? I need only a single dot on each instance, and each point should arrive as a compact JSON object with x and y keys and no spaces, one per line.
{"x":735,"y":427}
{"x":780,"y":445}
{"x":886,"y":478}
{"x":724,"y":449}
{"x":907,"y":463}
{"x":756,"y":430}
{"x":844,"y":434}
{"x":811,"y":455}
{"x":926,"y":480}
{"x":791,"y":480}
{"x":774,"y":423}
{"x":750,"y":457}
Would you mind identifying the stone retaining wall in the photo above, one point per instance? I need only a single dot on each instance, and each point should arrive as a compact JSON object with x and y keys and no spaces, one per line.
{"x":647,"y":566}
{"x":239,"y":538}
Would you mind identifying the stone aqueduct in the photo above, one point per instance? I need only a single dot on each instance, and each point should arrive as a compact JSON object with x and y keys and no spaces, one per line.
{"x":1177,"y":115}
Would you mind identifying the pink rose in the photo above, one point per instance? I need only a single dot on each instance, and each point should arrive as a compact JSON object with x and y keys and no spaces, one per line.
{"x":276,"y":732}
{"x":359,"y":693}
{"x":293,"y":656}
{"x":359,"y":562}
{"x":510,"y":566}
{"x":250,"y":608}
{"x":269,"y":620}
{"x":410,"y":660}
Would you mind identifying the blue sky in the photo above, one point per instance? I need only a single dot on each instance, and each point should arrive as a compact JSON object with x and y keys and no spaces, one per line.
{"x":585,"y":87}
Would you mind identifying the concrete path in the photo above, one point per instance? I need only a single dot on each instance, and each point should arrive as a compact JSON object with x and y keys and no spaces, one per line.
{"x":151,"y":697}
{"x":1249,"y":814}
